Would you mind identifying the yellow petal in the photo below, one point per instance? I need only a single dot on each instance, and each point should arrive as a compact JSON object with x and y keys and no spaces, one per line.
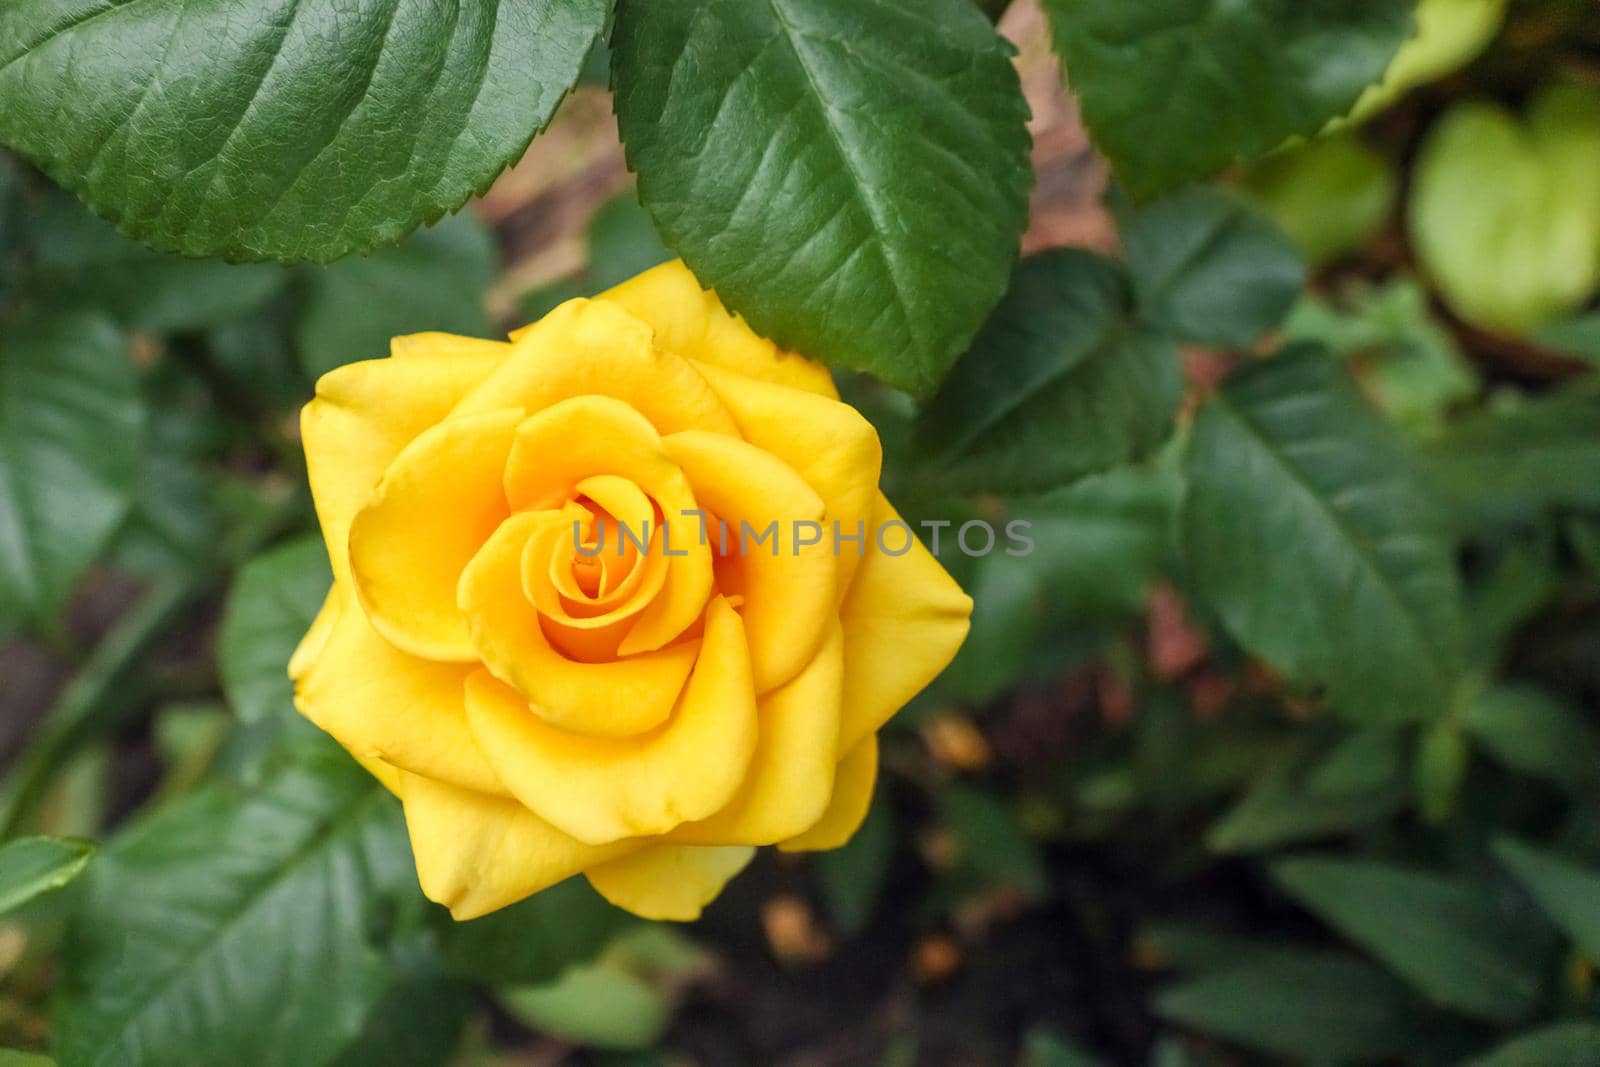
{"x":437,"y":345}
{"x":692,"y":322}
{"x":828,"y":443}
{"x":787,"y":586}
{"x":431,"y":512}
{"x":669,"y":882}
{"x":316,"y":637}
{"x":477,"y":854}
{"x":616,"y":698}
{"x":364,"y":414}
{"x":564,"y":445}
{"x":381,"y":703}
{"x":587,"y":347}
{"x":791,"y":774}
{"x":388,"y":776}
{"x":852,"y":797}
{"x":904,"y":620}
{"x":601,"y":789}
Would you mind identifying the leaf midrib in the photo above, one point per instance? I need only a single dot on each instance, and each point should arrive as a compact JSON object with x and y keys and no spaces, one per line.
{"x":353,"y":813}
{"x":1358,"y":541}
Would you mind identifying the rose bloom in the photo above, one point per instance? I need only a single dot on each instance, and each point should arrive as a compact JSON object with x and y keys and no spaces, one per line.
{"x":644,"y":717}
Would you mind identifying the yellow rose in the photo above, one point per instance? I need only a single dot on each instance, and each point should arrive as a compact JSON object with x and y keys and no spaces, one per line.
{"x":548,"y":695}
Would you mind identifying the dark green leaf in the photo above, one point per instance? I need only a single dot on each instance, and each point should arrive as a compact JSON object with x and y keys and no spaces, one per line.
{"x":1278,"y":811}
{"x":994,"y":849}
{"x":1570,"y":1044}
{"x":534,"y":941}
{"x":1210,"y":269}
{"x":1535,"y":734}
{"x":242,"y":930}
{"x":622,"y":242}
{"x":80,"y":258}
{"x":419,"y":1020}
{"x":1366,"y":760}
{"x":1568,"y":893}
{"x":1174,"y":90}
{"x":286,"y":129}
{"x":1449,"y":939}
{"x":1302,"y":1004}
{"x":853,"y":877}
{"x":273,"y":601}
{"x":1579,"y":335}
{"x":1042,"y":1049}
{"x":849,"y":175}
{"x":1512,"y":463}
{"x":1061,"y":382}
{"x":1318,"y":546}
{"x":71,"y":426}
{"x":32,"y":866}
{"x":436,"y":280}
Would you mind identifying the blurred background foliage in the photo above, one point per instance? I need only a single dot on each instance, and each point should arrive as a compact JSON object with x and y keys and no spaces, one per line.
{"x":1110,"y":834}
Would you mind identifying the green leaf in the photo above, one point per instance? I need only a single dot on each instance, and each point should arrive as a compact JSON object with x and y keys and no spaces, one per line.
{"x":1533,"y":733}
{"x":852,"y":878}
{"x":1443,"y":758}
{"x":1449,"y":939}
{"x":436,"y":280}
{"x":1578,"y":336}
{"x":1208,"y":268}
{"x":273,"y":601}
{"x":994,"y":849}
{"x":1297,"y":1003}
{"x":1449,"y":34}
{"x":1524,"y":249}
{"x":1408,"y":361}
{"x":850,"y":175}
{"x":79,"y":258}
{"x":9,"y":1058}
{"x":419,"y":1020}
{"x":1175,"y":90}
{"x":1513,"y":463}
{"x":71,"y":426}
{"x":1329,"y":195}
{"x":1568,"y":893}
{"x":239,"y":929}
{"x":1569,"y":1044}
{"x":1278,"y":810}
{"x":534,"y":941}
{"x":32,"y":866}
{"x":286,"y":129}
{"x":1043,"y":1049}
{"x":1060,"y":383}
{"x":1366,"y":760}
{"x":1318,"y":546}
{"x":594,"y":1005}
{"x":622,"y":242}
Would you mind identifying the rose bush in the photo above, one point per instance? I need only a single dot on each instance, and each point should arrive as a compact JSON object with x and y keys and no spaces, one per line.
{"x":549,"y":697}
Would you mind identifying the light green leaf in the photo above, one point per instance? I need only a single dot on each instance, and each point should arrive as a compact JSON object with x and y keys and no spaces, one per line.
{"x":594,"y":1005}
{"x":32,"y":866}
{"x":849,"y":175}
{"x":1408,"y":361}
{"x":1043,"y":1049}
{"x":436,"y":280}
{"x":1060,"y":383}
{"x":1578,"y":336}
{"x":1208,"y":268}
{"x":1569,"y":1044}
{"x":1175,"y":90}
{"x":1535,"y":734}
{"x":1450,"y":940}
{"x":285,"y":129}
{"x":1313,"y":539}
{"x":1307,"y":1005}
{"x":1449,"y":34}
{"x":239,"y":929}
{"x":1329,"y":195}
{"x":82,"y":259}
{"x":71,"y":430}
{"x":273,"y":601}
{"x":1514,"y":253}
{"x":9,"y":1058}
{"x":1568,"y":893}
